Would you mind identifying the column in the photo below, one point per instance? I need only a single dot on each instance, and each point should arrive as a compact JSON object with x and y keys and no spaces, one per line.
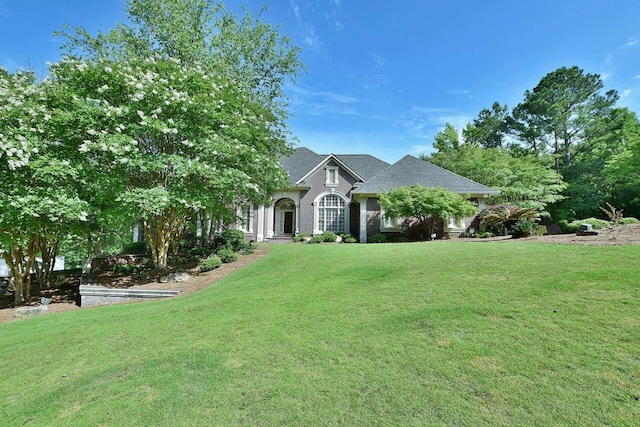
{"x":269,"y":222}
{"x":363,"y":219}
{"x":260,"y":228}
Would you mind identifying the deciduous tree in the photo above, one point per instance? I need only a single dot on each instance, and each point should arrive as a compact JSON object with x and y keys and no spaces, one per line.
{"x":37,"y":195}
{"x":425,"y":204}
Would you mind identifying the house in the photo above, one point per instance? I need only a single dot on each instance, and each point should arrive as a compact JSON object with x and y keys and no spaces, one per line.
{"x":339,"y":193}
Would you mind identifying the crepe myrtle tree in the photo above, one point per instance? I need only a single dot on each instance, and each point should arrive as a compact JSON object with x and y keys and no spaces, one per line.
{"x":425,"y":204}
{"x":37,"y":201}
{"x":181,"y":137}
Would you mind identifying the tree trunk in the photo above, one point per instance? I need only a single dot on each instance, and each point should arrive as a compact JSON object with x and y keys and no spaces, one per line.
{"x":48,"y":250}
{"x":160,"y":231}
{"x":206,"y":228}
{"x":20,"y":262}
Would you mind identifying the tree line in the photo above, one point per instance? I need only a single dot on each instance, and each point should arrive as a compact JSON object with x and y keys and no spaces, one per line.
{"x":177,"y":115}
{"x":566,"y":149}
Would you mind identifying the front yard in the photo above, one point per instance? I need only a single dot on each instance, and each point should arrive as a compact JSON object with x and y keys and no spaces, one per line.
{"x":400,"y":334}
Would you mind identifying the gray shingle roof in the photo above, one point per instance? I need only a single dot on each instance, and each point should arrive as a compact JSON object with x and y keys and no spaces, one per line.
{"x":303,"y":160}
{"x":410,"y":170}
{"x":364,"y":165}
{"x":300,"y":163}
{"x":380,"y":176}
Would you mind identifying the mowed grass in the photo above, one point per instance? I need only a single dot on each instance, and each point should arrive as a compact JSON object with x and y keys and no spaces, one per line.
{"x":401,"y":334}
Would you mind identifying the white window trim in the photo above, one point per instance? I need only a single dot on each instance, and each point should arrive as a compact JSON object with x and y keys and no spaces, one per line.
{"x":316,"y":211}
{"x":389,"y":224}
{"x":328,"y":172}
{"x":456,"y":224}
{"x":241,"y":211}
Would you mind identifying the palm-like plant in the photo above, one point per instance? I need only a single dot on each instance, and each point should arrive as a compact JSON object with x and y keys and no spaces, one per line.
{"x":505,"y":217}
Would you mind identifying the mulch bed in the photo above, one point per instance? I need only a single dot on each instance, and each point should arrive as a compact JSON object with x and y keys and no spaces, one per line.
{"x":64,"y":294}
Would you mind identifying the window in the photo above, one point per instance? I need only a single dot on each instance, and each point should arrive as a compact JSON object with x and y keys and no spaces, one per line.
{"x":389,"y":224}
{"x":245,"y":218}
{"x":331,"y":177}
{"x":331,"y":214}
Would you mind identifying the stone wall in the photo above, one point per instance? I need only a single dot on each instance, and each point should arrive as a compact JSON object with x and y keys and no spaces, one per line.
{"x":91,"y":295}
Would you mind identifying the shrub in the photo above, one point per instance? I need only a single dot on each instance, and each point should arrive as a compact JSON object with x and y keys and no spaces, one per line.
{"x":568,"y":227}
{"x":630,"y":220}
{"x":316,"y":239}
{"x":233,"y":238}
{"x":135,"y":248}
{"x":350,"y":237}
{"x":378,"y":238}
{"x":248,"y":249}
{"x":125,"y":269}
{"x":503,"y":218}
{"x":329,"y":236}
{"x":299,"y":237}
{"x":210,"y":263}
{"x":227,"y":254}
{"x":572,"y":227}
{"x":199,"y":251}
{"x":523,"y":229}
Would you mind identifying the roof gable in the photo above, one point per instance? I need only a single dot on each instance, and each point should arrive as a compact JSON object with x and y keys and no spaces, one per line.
{"x":303,"y":162}
{"x":410,"y":170}
{"x":324,"y":162}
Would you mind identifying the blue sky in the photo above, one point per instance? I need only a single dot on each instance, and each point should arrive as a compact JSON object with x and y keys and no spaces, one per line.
{"x":383,"y":77}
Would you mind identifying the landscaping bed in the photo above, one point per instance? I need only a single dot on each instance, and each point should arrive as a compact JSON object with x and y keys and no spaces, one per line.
{"x":64,"y":294}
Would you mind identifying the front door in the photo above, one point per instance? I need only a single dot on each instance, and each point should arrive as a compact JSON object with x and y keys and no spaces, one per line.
{"x":288,"y":223}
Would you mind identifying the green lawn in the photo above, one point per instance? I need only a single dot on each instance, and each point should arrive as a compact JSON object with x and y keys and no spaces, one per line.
{"x":419,"y":334}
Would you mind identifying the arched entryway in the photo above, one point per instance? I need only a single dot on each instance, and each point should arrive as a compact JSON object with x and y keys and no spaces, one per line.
{"x":285,"y":217}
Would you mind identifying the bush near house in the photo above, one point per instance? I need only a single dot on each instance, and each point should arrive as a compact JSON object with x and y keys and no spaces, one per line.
{"x":227,"y":254}
{"x":349,"y":238}
{"x":503,"y":218}
{"x":316,"y":239}
{"x":210,"y":263}
{"x":378,"y":238}
{"x":248,"y":249}
{"x":329,"y":236}
{"x":299,"y":237}
{"x":232,"y":238}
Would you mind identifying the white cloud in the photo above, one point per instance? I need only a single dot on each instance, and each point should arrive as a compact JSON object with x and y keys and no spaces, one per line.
{"x":426,"y":122}
{"x":378,"y":60}
{"x":296,"y":8}
{"x":311,"y":38}
{"x":632,"y":41}
{"x":458,"y":91}
{"x":637,"y":77}
{"x":320,"y":103}
{"x":625,"y":93}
